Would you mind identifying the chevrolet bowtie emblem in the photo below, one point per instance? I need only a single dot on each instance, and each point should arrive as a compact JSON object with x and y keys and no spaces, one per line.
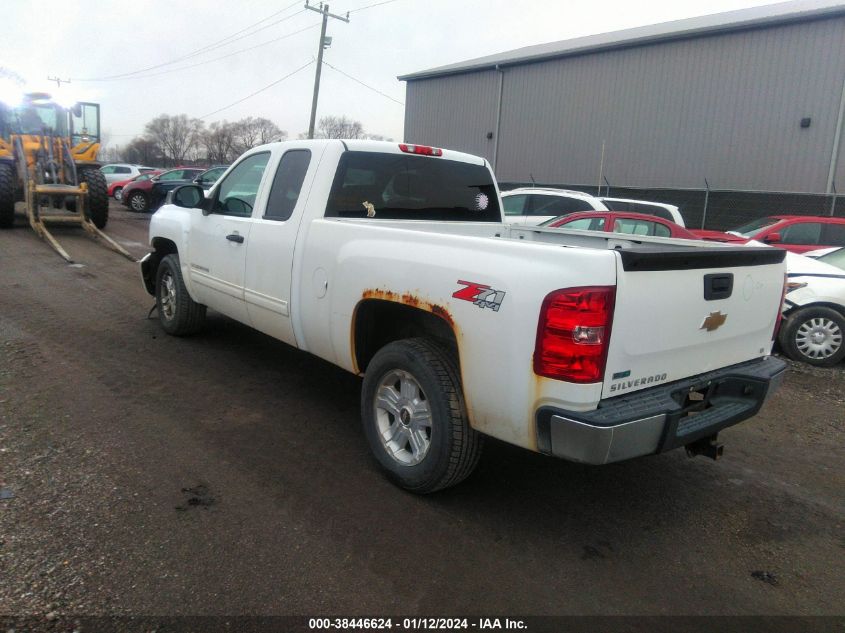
{"x":714,"y":321}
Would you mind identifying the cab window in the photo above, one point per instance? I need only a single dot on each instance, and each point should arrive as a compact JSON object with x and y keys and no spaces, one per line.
{"x":287,"y":184}
{"x":237,"y":192}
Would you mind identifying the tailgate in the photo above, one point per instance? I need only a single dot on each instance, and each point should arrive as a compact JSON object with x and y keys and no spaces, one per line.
{"x":686,"y":311}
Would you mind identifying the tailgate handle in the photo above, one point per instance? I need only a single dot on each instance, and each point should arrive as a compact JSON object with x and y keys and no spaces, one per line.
{"x":718,"y":286}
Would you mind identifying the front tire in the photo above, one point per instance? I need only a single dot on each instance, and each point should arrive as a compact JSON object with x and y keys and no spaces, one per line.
{"x":138,"y":202}
{"x":178,"y":314}
{"x":815,"y":336}
{"x":118,"y":193}
{"x":98,"y":195}
{"x":7,"y":196}
{"x":414,"y":416}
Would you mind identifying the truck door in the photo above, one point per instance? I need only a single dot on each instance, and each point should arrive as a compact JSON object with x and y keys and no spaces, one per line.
{"x":269,"y":262}
{"x":218,"y":241}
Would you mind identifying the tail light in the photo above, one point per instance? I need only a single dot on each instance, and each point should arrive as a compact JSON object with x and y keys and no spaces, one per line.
{"x":779,"y":318}
{"x":425,"y":150}
{"x":573,"y":334}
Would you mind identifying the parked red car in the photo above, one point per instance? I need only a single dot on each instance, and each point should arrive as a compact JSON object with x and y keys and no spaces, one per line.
{"x":796,"y":233}
{"x":116,"y":188}
{"x":632,"y":224}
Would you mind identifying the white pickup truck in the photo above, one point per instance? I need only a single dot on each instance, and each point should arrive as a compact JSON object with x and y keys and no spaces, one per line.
{"x":392,"y":261}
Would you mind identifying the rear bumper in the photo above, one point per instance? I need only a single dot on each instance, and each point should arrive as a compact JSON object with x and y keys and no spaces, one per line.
{"x":660,"y":418}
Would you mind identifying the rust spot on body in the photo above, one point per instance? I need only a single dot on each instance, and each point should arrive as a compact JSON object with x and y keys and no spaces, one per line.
{"x":411,"y":299}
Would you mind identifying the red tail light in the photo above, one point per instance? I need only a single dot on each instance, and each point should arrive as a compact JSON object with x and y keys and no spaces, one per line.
{"x":779,"y":317}
{"x":574,"y":333}
{"x":425,"y":150}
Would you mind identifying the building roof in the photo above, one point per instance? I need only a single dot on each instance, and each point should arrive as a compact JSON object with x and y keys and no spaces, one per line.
{"x":742,"y":19}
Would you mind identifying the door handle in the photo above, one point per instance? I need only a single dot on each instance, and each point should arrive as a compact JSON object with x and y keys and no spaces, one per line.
{"x":234,"y":237}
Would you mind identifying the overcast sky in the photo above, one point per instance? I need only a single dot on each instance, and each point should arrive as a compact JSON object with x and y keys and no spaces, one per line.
{"x":89,"y":39}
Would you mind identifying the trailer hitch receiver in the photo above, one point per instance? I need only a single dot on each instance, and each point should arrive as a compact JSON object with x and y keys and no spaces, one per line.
{"x":706,"y":446}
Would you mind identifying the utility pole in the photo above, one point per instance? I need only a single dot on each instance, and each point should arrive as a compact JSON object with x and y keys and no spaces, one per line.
{"x":324,"y":10}
{"x":58,"y":81}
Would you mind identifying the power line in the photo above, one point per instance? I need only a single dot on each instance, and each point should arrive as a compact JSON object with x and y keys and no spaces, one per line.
{"x":272,"y":15}
{"x":216,"y":59}
{"x":387,"y":96}
{"x":370,"y":6}
{"x":267,"y":87}
{"x":209,"y":47}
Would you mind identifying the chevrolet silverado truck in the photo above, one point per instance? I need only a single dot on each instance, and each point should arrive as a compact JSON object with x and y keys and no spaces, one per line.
{"x":393,"y":262}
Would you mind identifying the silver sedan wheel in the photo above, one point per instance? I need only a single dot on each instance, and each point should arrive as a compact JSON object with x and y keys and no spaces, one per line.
{"x":403,"y":418}
{"x":168,"y":295}
{"x":818,"y":338}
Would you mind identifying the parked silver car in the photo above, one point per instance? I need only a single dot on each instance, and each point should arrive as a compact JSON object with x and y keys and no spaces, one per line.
{"x":123,"y":171}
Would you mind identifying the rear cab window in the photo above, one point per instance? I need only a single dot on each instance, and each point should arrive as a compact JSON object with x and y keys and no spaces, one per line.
{"x":409,"y":187}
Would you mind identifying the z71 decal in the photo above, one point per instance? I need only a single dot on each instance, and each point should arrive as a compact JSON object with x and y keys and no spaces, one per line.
{"x":481,"y":295}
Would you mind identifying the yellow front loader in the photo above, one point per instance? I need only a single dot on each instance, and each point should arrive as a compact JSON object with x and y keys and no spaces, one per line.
{"x":48,"y":160}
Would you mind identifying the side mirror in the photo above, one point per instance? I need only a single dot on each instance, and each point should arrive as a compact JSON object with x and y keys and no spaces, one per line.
{"x":155,"y":179}
{"x":197,"y":180}
{"x":76,"y":110}
{"x":772,"y":238}
{"x":187,"y":197}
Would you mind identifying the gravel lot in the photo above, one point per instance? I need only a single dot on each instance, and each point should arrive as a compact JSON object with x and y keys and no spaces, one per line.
{"x":227,"y":474}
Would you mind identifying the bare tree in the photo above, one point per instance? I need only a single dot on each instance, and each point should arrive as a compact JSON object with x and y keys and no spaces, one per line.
{"x":176,"y":135}
{"x":143,"y":151}
{"x":339,"y":127}
{"x":253,"y":131}
{"x":219,"y":142}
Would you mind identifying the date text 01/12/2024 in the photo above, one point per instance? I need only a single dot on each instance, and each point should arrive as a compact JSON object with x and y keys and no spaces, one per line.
{"x":414,"y":624}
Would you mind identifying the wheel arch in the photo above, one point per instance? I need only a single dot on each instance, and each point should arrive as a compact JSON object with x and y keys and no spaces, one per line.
{"x":162,"y":247}
{"x":376,"y":322}
{"x":838,"y":307}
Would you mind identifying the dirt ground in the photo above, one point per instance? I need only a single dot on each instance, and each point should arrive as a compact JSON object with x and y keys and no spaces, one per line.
{"x":227,"y":474}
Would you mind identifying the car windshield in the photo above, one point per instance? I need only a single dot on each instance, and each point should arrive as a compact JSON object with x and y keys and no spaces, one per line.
{"x":752,"y":228}
{"x":835,"y":258}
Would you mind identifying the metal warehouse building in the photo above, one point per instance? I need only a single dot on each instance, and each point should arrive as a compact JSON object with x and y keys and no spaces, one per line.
{"x":748,"y":102}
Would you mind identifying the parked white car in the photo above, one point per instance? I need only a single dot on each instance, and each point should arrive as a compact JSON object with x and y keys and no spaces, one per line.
{"x":813,"y":330}
{"x":661,"y":210}
{"x":535,"y":205}
{"x":834,"y":255}
{"x":115,"y":172}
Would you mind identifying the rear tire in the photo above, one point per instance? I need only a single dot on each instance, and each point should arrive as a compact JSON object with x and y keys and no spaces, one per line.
{"x":7,"y":196}
{"x":178,"y":314}
{"x":118,"y":193}
{"x":414,"y":416}
{"x":98,"y":195}
{"x":815,"y":336}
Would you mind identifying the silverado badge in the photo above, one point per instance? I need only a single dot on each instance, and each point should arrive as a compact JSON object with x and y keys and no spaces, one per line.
{"x":714,"y":321}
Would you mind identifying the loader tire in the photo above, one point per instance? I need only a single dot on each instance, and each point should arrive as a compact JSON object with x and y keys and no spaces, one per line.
{"x":7,"y":196}
{"x":98,"y":195}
